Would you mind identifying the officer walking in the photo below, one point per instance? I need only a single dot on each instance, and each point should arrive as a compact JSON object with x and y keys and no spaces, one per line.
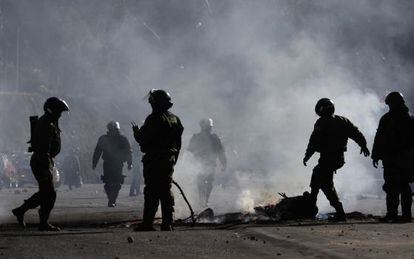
{"x":160,"y":141}
{"x":330,"y":138}
{"x":207,"y":148}
{"x":394,"y":145}
{"x":46,"y":145}
{"x":71,"y":170}
{"x":115,"y":150}
{"x":135,"y":188}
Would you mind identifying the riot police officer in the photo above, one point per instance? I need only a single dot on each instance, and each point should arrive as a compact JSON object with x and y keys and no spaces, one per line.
{"x":207,"y":149}
{"x":394,"y":145}
{"x":160,"y":141}
{"x":135,"y":188}
{"x":71,"y":169}
{"x":115,"y":149}
{"x":46,"y":145}
{"x":330,"y":138}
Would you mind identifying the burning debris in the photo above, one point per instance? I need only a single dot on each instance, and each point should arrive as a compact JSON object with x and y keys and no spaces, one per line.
{"x":297,"y":207}
{"x":288,"y":208}
{"x":206,"y":215}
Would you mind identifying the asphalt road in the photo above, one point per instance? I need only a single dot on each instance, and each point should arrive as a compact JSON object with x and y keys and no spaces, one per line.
{"x":92,"y":230}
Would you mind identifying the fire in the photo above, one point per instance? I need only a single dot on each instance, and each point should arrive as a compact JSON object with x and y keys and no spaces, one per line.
{"x":247,"y":201}
{"x":268,"y":198}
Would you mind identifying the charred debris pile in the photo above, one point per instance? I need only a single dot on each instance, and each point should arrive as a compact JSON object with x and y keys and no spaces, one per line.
{"x":288,"y":209}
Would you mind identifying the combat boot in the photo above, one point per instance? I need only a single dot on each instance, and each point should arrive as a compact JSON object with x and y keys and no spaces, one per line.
{"x":44,"y":225}
{"x":339,"y":215}
{"x":406,"y":213}
{"x":406,"y":219}
{"x":19,"y":213}
{"x":389,"y":219}
{"x":48,"y":227}
{"x":406,"y":203}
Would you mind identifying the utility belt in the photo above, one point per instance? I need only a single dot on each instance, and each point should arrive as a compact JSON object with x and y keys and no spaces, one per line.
{"x":113,"y":178}
{"x":41,"y":160}
{"x":151,"y":157}
{"x":41,"y":156}
{"x":160,"y":152}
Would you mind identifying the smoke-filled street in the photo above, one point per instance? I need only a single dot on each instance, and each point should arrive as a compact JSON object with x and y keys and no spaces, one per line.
{"x":92,"y":230}
{"x":287,"y":124}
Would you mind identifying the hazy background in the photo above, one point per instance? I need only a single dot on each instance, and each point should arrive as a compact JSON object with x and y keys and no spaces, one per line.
{"x":256,"y":67}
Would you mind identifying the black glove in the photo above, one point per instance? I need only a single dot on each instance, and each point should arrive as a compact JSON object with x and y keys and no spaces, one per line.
{"x":365,"y":151}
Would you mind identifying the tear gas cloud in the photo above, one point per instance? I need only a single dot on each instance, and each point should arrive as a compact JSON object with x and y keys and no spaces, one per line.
{"x":256,"y":67}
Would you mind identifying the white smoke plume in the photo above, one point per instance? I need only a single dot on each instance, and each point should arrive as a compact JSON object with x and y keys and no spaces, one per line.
{"x":256,"y":67}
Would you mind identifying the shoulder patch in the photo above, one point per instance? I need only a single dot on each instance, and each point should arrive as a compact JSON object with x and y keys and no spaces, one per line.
{"x":172,"y":119}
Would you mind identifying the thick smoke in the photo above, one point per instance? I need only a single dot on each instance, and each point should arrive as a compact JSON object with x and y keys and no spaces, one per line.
{"x":256,"y":67}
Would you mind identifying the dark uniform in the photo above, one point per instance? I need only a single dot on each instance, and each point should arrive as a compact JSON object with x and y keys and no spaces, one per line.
{"x":394,"y":144}
{"x":115,"y":150}
{"x":160,"y":141}
{"x":330,"y":138}
{"x":71,"y":171}
{"x":45,"y":144}
{"x":206,"y":148}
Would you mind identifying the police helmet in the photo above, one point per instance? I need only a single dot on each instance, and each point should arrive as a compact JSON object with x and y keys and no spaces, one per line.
{"x":160,"y":97}
{"x":206,"y":123}
{"x":113,"y":126}
{"x":55,"y":105}
{"x":394,"y":99}
{"x":325,"y":107}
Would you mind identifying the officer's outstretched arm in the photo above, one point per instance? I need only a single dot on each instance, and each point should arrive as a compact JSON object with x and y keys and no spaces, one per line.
{"x":314,"y":142}
{"x":356,"y":135}
{"x":306,"y":159}
{"x":310,"y":150}
{"x":379,"y":145}
{"x":135,"y":130}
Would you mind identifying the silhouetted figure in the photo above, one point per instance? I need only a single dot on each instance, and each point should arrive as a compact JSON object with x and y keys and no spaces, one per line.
{"x":330,"y":138}
{"x":207,"y":148}
{"x":394,"y":145}
{"x":71,"y":170}
{"x":160,"y":141}
{"x":45,"y":144}
{"x":135,"y":188}
{"x":115,"y":150}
